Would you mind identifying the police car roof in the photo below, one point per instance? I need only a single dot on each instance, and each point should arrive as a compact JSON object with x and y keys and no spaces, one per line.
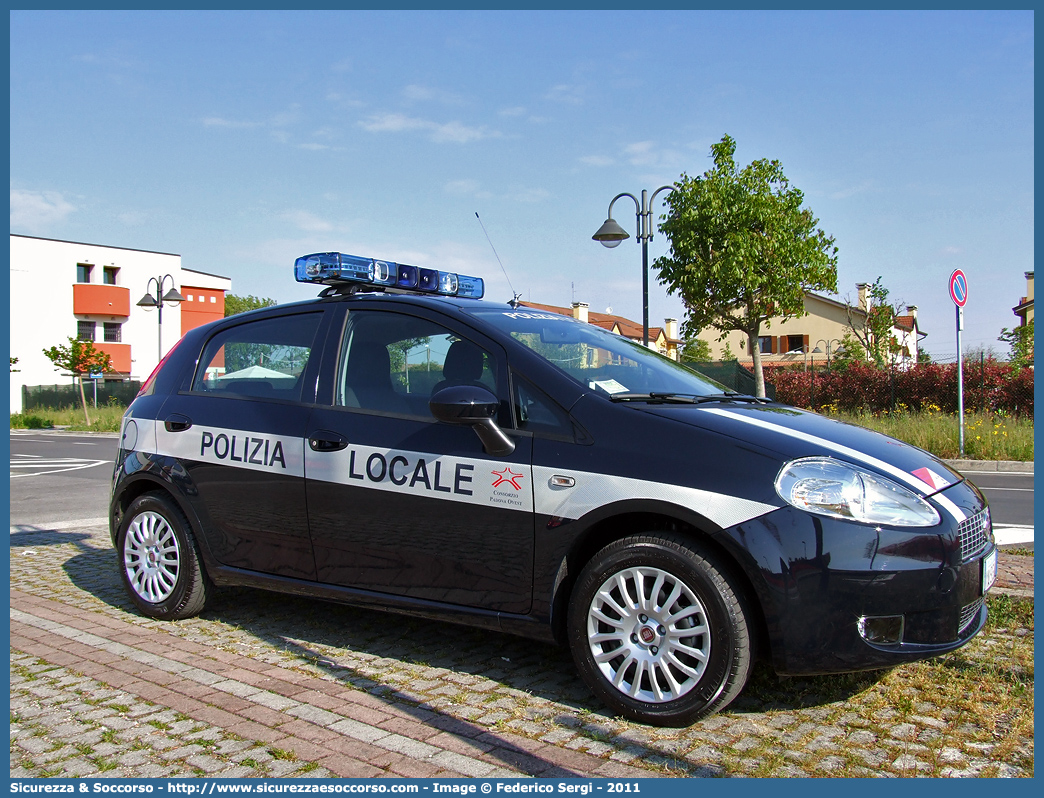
{"x":429,"y":300}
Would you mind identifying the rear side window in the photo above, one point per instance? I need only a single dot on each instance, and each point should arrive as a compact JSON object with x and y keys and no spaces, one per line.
{"x":264,"y":359}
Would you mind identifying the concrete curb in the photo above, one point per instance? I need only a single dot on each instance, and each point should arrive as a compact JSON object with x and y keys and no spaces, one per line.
{"x":1002,"y":466}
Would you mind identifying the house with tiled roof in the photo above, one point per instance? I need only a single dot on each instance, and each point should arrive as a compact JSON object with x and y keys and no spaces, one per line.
{"x":1024,"y":310}
{"x":661,"y":339}
{"x":813,"y":339}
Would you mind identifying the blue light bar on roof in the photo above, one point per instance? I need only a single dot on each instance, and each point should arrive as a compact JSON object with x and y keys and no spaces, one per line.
{"x":335,"y":268}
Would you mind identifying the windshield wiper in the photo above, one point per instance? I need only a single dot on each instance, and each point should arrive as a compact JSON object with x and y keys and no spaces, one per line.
{"x":729,"y":396}
{"x":686,"y":398}
{"x":655,"y":396}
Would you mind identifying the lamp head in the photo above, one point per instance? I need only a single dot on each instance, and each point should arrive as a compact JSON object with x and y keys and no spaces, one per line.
{"x":172,"y":297}
{"x":610,"y":234}
{"x":148,"y":302}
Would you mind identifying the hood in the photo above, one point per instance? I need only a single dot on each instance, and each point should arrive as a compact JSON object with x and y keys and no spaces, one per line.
{"x":797,"y":433}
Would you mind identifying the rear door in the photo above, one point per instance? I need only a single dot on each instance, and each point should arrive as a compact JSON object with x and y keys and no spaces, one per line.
{"x":399,"y":503}
{"x":238,"y":429}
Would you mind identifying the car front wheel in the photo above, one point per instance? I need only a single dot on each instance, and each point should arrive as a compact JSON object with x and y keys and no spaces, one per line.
{"x":659,"y":631}
{"x":159,"y":560}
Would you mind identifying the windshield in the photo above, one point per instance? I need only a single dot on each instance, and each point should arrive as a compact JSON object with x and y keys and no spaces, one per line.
{"x":600,"y":360}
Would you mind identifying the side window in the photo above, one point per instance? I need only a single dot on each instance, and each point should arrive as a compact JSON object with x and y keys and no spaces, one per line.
{"x":263,"y":359}
{"x":392,"y":362}
{"x":538,"y":413}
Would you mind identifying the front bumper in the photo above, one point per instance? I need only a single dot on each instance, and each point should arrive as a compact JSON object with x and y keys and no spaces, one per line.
{"x":828,"y":588}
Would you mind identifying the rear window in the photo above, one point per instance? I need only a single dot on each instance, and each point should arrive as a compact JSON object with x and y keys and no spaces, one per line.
{"x":264,"y":359}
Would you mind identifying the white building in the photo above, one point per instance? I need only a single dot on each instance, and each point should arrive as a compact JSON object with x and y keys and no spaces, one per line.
{"x":65,"y":289}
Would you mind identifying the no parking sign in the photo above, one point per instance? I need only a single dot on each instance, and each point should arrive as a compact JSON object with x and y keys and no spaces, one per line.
{"x":959,"y":295}
{"x":958,"y":288}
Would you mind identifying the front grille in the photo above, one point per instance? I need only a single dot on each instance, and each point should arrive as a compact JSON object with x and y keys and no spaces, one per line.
{"x":968,"y":615}
{"x":974,"y":534}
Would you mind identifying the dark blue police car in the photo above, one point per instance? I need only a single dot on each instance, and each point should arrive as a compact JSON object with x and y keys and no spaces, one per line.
{"x":399,"y":444}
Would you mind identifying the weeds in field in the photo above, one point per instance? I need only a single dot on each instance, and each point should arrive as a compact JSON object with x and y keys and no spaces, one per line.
{"x":990,"y":436}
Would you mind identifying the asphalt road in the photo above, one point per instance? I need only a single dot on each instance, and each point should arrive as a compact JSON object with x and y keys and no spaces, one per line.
{"x":63,"y":477}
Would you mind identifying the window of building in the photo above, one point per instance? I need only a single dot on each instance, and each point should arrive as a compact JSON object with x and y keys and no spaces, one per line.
{"x":794,"y":343}
{"x":83,"y":272}
{"x":109,"y":275}
{"x":85,"y":330}
{"x":113,"y":332}
{"x":765,"y":344}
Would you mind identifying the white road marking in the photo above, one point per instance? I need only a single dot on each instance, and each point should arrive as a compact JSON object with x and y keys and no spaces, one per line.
{"x":60,"y":526}
{"x":43,"y":466}
{"x":1009,"y":534}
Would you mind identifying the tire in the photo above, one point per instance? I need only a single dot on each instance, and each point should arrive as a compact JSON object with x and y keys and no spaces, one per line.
{"x":659,"y":630}
{"x":159,"y":560}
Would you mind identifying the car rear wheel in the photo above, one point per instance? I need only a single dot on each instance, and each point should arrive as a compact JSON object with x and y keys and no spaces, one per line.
{"x":159,"y":559}
{"x":659,"y":631}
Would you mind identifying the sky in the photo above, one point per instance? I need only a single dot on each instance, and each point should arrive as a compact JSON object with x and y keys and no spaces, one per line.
{"x":242,"y":140}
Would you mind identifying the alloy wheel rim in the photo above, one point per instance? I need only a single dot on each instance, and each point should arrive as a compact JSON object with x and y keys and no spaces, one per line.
{"x":648,"y":634}
{"x":151,"y":557}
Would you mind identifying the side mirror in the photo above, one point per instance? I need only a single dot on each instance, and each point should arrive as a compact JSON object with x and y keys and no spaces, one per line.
{"x":473,"y":406}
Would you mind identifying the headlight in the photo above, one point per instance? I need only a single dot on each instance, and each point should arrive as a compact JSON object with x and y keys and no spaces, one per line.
{"x":829,"y":487}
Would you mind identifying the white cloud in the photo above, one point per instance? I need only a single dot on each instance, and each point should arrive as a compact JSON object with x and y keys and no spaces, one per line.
{"x":217,"y":121}
{"x":851,"y":191}
{"x":309,"y":222}
{"x":567,"y":93}
{"x":393,"y":123}
{"x":456,"y":132}
{"x":597,"y":160}
{"x":415,"y":93}
{"x":460,"y":133}
{"x":530,"y":195}
{"x":518,"y":110}
{"x":462,"y":187}
{"x":132,"y":218}
{"x":36,"y":211}
{"x":952,"y":250}
{"x":648,"y":154}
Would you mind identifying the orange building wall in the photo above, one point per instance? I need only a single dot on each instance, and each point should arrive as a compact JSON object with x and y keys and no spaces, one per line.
{"x":201,"y":305}
{"x":101,"y":300}
{"x":119,"y":354}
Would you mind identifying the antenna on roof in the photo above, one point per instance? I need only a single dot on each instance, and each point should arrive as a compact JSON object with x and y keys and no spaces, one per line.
{"x":515,"y":297}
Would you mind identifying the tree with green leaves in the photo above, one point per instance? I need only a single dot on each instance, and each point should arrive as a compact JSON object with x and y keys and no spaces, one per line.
{"x":80,"y":358}
{"x":240,"y":304}
{"x":873,"y":324}
{"x":696,"y":350}
{"x":1020,"y":343}
{"x":743,"y":249}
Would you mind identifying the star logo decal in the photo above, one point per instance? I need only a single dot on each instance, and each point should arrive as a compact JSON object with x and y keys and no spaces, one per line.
{"x":507,"y":475}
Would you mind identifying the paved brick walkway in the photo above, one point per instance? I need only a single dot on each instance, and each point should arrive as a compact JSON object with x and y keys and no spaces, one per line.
{"x":269,"y":685}
{"x":1015,"y":574}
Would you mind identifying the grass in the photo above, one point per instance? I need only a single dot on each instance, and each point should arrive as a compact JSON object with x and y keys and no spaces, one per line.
{"x":104,"y":418}
{"x":986,"y":436}
{"x":980,"y":696}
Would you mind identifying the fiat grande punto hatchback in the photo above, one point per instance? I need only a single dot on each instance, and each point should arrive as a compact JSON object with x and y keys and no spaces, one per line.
{"x":401,"y":445}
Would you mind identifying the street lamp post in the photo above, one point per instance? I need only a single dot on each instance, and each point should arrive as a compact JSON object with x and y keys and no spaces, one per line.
{"x":172,"y":297}
{"x":610,"y":234}
{"x":827,"y":344}
{"x":818,"y":351}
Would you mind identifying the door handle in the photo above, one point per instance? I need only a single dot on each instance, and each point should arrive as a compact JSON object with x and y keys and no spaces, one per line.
{"x":177,"y":423}
{"x":325,"y":441}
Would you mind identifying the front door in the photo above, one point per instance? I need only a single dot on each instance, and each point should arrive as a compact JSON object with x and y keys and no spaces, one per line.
{"x":401,"y":504}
